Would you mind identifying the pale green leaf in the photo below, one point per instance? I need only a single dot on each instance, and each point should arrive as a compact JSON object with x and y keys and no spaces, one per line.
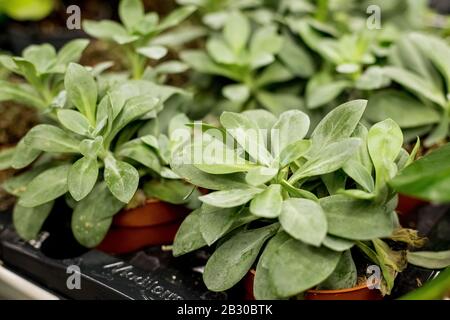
{"x":268,"y":203}
{"x":82,"y":177}
{"x":47,"y":186}
{"x":304,"y":220}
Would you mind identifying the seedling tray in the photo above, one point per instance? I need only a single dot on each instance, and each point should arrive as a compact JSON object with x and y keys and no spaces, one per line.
{"x":153,"y":274}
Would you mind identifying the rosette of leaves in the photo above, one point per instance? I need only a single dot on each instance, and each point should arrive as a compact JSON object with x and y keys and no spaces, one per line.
{"x":300,"y":207}
{"x":137,"y":34}
{"x":89,"y":156}
{"x":350,"y":62}
{"x":243,"y":62}
{"x":215,"y":13}
{"x":43,"y":70}
{"x":419,"y":63}
{"x":351,"y":51}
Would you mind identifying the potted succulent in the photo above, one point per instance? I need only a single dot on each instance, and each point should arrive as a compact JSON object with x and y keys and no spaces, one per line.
{"x":137,"y":37}
{"x":94,"y":158}
{"x":317,"y":61}
{"x":300,"y":210}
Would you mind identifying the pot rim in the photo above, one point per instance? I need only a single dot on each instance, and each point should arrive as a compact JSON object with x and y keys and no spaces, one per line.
{"x":337,"y":291}
{"x":148,"y":201}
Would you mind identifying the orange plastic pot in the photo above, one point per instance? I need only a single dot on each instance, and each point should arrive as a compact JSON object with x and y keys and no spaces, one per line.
{"x":357,"y":293}
{"x":407,"y":204}
{"x":153,"y":213}
{"x":126,"y":240}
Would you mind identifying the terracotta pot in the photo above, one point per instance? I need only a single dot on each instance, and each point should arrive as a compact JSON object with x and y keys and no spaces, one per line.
{"x":356,"y":293}
{"x":126,"y":240}
{"x":407,"y":204}
{"x":153,"y":213}
{"x":154,"y":223}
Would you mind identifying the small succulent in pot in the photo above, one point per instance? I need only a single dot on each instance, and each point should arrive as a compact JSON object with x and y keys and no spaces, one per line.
{"x":43,"y":70}
{"x":136,"y":37}
{"x":300,"y":207}
{"x":92,"y":155}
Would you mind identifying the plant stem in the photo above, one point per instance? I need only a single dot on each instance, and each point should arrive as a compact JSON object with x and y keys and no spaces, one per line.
{"x":322,"y":10}
{"x":137,"y":64}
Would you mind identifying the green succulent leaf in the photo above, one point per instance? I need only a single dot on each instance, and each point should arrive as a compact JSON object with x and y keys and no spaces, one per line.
{"x":82,"y":177}
{"x":296,"y":58}
{"x":330,"y":159}
{"x":189,"y":237}
{"x":104,"y":29}
{"x":262,"y":287}
{"x":131,"y":12}
{"x":269,"y":203}
{"x":337,"y":244}
{"x":24,"y":155}
{"x":385,"y":141}
{"x":415,"y":83}
{"x":55,"y":182}
{"x":18,"y":184}
{"x":296,"y":267}
{"x":430,"y":259}
{"x":344,"y":276}
{"x":247,"y":134}
{"x":176,"y":17}
{"x":171,"y":191}
{"x":92,"y":216}
{"x":28,"y":221}
{"x":6,"y":158}
{"x":291,"y":127}
{"x":406,"y":111}
{"x":217,"y":222}
{"x":260,"y":175}
{"x":21,"y":93}
{"x":237,"y":31}
{"x":356,"y":219}
{"x":121,"y":178}
{"x":74,"y":121}
{"x":293,"y":152}
{"x":304,"y":220}
{"x":49,"y":138}
{"x":82,"y":90}
{"x":337,"y":125}
{"x":232,"y":260}
{"x":71,"y":52}
{"x":230,"y":198}
{"x":139,"y":152}
{"x":427,"y":178}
